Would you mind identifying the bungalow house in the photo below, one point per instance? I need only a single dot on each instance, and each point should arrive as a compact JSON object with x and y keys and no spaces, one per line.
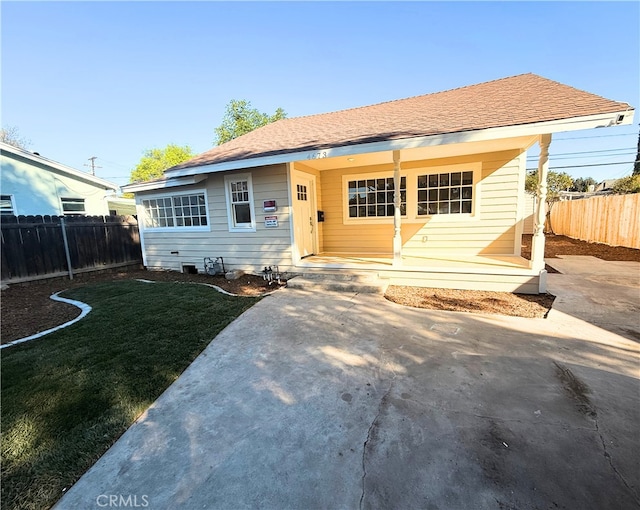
{"x":33,"y":185}
{"x":425,"y":191}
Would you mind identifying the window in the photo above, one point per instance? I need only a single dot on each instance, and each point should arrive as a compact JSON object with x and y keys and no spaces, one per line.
{"x":239,"y":194}
{"x":72,"y":206}
{"x":370,"y":198}
{"x":6,"y":205}
{"x":177,"y":211}
{"x":302,"y":192}
{"x":445,"y":193}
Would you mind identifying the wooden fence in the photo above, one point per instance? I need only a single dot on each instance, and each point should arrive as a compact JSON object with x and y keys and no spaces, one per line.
{"x":36,"y":247}
{"x":612,"y":219}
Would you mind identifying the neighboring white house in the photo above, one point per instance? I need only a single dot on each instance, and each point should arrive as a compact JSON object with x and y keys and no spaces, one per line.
{"x":424,"y":191}
{"x":119,"y":206}
{"x":33,"y":185}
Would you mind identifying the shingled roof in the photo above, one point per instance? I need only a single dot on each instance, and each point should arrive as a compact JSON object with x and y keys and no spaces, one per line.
{"x":517,"y":100}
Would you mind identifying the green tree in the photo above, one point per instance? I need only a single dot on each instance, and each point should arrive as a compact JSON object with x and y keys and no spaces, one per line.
{"x":582,"y":184}
{"x":629,"y":184}
{"x":10,"y":136}
{"x":156,"y":161}
{"x":556,"y":182}
{"x":240,"y":118}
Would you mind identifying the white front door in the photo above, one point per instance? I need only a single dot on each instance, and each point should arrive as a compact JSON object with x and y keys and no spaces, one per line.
{"x":304,"y":213}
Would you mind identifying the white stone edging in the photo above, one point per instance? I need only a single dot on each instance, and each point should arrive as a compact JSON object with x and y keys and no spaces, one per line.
{"x":86,"y":309}
{"x":83,"y":306}
{"x":219,"y":289}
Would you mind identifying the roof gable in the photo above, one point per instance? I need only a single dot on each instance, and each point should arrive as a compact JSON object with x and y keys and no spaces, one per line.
{"x":58,"y":167}
{"x":517,"y":100}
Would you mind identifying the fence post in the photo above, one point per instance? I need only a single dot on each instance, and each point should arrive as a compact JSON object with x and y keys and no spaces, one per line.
{"x":66,"y":247}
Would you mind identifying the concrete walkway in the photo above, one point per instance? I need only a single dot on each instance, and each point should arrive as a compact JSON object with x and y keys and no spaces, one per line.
{"x":349,"y":401}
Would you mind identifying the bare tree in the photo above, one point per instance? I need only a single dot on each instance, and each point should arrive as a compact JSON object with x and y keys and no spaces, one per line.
{"x":11,"y":136}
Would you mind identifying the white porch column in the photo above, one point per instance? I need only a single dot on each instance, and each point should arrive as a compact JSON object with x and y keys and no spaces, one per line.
{"x":537,"y":244}
{"x":397,"y":236}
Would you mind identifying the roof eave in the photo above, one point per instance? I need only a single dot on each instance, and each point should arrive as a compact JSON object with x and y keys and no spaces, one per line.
{"x":92,"y":179}
{"x":164,"y":183}
{"x":618,"y":118}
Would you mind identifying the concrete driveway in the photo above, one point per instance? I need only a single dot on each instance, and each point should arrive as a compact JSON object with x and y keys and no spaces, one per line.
{"x":349,"y":401}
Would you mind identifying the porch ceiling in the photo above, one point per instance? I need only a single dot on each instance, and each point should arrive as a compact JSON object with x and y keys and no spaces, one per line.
{"x":422,"y":153}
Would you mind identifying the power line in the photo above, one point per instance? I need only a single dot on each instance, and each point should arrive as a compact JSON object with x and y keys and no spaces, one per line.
{"x":116,"y":164}
{"x":590,"y":156}
{"x":93,"y":165}
{"x":591,"y":152}
{"x":594,"y":136}
{"x":581,"y":166}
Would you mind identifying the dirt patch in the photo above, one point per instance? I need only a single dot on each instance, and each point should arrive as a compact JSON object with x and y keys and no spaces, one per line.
{"x":26,"y":308}
{"x":561,"y":245}
{"x":503,"y":303}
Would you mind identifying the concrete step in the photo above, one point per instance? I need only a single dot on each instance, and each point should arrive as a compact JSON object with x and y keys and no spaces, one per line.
{"x":366,"y":283}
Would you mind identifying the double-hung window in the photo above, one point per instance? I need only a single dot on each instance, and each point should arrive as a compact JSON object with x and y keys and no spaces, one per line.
{"x":187,"y":210}
{"x":445,"y":193}
{"x":239,"y":193}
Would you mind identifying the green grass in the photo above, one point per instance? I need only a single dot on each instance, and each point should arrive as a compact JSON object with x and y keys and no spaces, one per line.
{"x":68,"y":396}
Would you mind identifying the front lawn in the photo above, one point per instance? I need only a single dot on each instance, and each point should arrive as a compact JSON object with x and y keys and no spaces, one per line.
{"x":67,"y":397}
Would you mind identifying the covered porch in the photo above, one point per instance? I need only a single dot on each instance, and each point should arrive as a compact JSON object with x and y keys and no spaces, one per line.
{"x":409,"y":239}
{"x":507,"y":273}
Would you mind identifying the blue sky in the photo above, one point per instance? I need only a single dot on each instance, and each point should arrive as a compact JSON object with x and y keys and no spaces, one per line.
{"x":111,"y":79}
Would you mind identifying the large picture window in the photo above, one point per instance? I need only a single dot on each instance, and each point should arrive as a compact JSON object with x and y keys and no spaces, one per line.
{"x":240,"y":203}
{"x":371,"y":198}
{"x":177,"y":211}
{"x":445,"y":193}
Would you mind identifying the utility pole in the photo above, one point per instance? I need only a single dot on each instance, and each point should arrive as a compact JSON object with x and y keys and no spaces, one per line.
{"x":93,"y":165}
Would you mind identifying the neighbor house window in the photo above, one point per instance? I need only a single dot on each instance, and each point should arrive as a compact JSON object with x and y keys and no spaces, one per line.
{"x":72,"y":206}
{"x":6,"y":205}
{"x":239,"y":195}
{"x":371,"y":198}
{"x":445,"y":193}
{"x":176,"y":211}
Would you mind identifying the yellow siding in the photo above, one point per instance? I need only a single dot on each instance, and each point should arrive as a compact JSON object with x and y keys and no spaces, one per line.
{"x":529,"y":211}
{"x":492,"y":230}
{"x":249,"y":251}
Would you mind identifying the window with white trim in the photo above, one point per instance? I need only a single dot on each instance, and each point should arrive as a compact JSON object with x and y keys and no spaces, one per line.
{"x":239,"y":193}
{"x":176,"y":211}
{"x":6,"y":205}
{"x":445,"y":193}
{"x":373,"y":198}
{"x":72,"y":206}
